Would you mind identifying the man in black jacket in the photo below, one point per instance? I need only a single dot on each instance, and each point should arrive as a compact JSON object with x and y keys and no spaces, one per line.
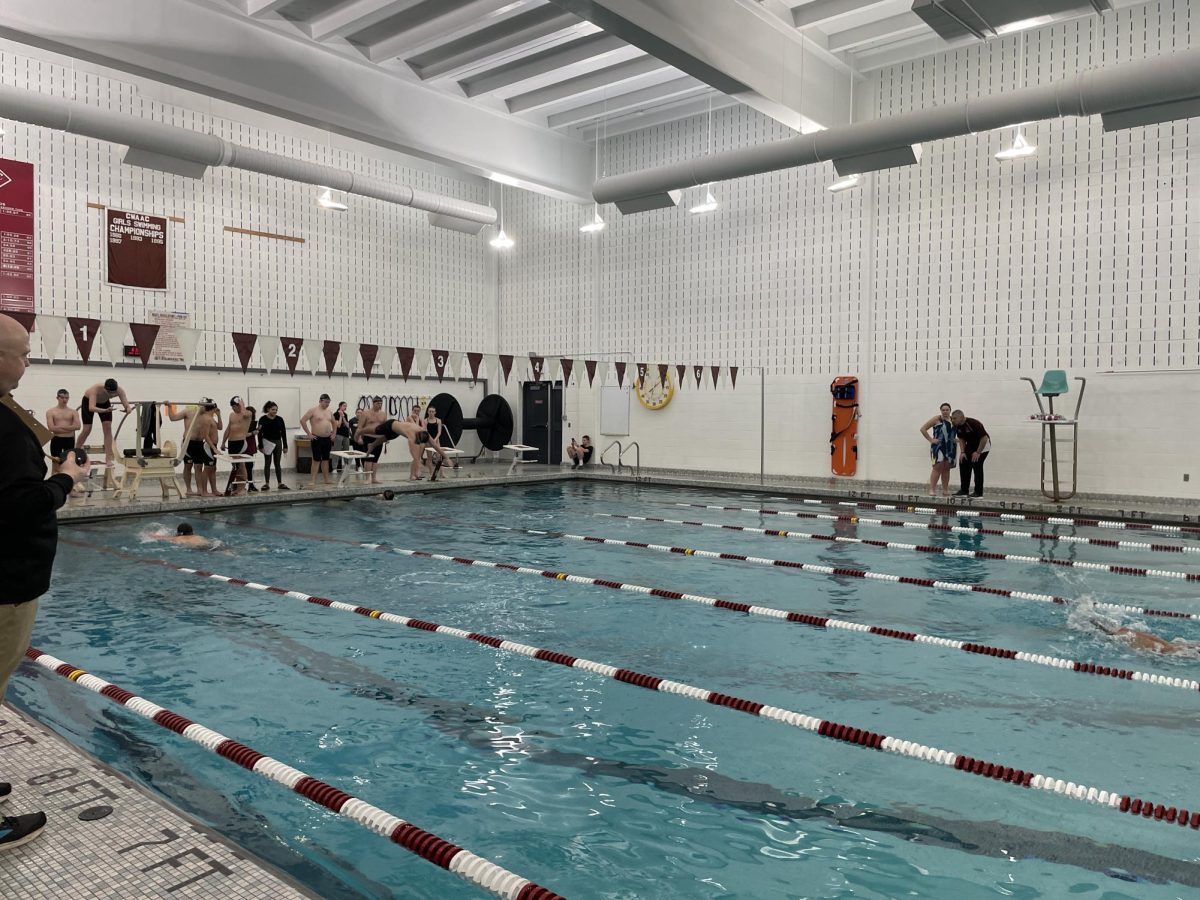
{"x":28,"y":501}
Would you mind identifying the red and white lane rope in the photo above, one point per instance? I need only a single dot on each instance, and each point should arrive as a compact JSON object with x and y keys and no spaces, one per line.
{"x":954,"y":529}
{"x":924,"y":548}
{"x":824,"y":622}
{"x":1110,"y":798}
{"x":424,"y":844}
{"x":834,"y":571}
{"x":1011,"y":517}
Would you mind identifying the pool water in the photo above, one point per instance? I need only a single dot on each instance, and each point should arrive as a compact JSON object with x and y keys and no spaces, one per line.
{"x":596,"y":788}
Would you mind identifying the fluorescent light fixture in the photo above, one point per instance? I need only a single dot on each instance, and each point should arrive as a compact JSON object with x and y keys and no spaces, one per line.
{"x":710,"y":203}
{"x":1024,"y":24}
{"x":331,"y":199}
{"x":501,"y":241}
{"x":845,"y":184}
{"x":597,"y":224}
{"x":1020,"y":149}
{"x":504,"y":179}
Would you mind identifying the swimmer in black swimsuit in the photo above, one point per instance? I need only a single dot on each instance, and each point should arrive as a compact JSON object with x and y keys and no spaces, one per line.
{"x":98,"y":399}
{"x":417,"y":437}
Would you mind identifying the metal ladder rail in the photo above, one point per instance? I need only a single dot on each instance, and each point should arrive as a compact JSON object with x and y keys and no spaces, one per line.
{"x":637,"y":458}
{"x":616,"y":469}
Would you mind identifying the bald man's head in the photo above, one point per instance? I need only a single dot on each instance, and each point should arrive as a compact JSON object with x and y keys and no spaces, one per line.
{"x":14,"y":353}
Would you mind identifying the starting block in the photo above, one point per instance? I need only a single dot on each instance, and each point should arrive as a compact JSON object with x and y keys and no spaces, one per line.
{"x":519,"y":451}
{"x":349,"y":471}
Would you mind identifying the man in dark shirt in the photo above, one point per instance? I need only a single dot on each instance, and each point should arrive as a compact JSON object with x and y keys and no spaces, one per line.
{"x":27,"y":504}
{"x":974,"y":444}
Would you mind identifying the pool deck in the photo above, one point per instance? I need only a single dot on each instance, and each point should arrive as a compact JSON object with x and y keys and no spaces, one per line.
{"x":1165,"y":510}
{"x":108,"y":838}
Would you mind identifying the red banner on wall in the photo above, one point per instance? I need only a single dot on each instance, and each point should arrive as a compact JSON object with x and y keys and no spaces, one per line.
{"x":137,"y":249}
{"x":16,"y":235}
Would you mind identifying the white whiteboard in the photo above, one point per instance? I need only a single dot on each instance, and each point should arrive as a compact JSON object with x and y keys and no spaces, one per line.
{"x":614,"y":410}
{"x":288,"y":399}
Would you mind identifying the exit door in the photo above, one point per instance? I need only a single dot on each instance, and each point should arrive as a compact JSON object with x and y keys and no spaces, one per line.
{"x":541,"y":420}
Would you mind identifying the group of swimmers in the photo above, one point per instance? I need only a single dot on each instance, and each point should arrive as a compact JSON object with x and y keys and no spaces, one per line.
{"x":368,"y":431}
{"x":245,"y":435}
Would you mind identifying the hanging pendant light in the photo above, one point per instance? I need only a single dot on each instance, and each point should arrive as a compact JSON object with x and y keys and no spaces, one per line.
{"x":1021,"y":148}
{"x":847,"y":182}
{"x":502,"y":241}
{"x":710,"y":203}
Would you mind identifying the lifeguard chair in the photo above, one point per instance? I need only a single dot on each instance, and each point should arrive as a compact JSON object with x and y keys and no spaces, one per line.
{"x":1055,"y":384}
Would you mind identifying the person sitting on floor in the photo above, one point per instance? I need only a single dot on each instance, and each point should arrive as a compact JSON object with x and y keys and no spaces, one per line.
{"x":581,"y":454}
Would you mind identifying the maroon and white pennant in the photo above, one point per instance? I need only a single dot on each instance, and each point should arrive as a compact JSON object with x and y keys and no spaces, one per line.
{"x":143,"y":338}
{"x":620,"y":374}
{"x":506,"y":362}
{"x":244,"y":343}
{"x":473,"y":360}
{"x":590,"y":366}
{"x":291,"y":352}
{"x":368,"y":353}
{"x":330,"y":350}
{"x":405,"y":355}
{"x":84,"y":331}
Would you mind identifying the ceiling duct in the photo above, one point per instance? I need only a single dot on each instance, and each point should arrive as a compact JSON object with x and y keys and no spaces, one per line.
{"x":954,"y":19}
{"x":184,"y":152}
{"x":1139,"y":93}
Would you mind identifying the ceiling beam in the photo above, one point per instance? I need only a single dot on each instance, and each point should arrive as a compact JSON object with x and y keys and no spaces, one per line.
{"x":354,"y":16}
{"x":599,"y":80}
{"x":622,"y":103}
{"x":281,"y":72}
{"x":445,"y":17}
{"x":735,"y":46}
{"x":537,"y":26}
{"x":821,"y":12}
{"x":578,"y":50}
{"x":260,"y":8}
{"x":905,"y":25}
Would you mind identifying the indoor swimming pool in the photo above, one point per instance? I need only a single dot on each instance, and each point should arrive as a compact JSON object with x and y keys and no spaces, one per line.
{"x":594,"y":787}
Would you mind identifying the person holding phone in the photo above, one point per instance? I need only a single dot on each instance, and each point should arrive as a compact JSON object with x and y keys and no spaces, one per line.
{"x":580,"y":454}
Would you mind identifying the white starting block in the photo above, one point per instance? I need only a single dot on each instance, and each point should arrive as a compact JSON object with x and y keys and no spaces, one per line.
{"x":519,"y":451}
{"x":348,"y":471}
{"x":109,"y":482}
{"x":152,"y":468}
{"x":234,"y":460}
{"x":450,"y":453}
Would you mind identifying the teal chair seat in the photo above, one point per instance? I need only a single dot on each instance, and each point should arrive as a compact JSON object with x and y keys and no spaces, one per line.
{"x":1054,"y":382}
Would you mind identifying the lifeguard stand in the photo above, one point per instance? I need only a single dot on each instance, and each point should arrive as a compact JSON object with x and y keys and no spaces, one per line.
{"x":1054,"y":384}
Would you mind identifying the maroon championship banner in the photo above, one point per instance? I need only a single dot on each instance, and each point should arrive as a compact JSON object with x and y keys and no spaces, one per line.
{"x":16,"y":236}
{"x":137,"y":250}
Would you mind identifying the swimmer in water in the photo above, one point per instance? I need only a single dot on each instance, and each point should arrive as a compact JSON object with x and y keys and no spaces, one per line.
{"x":1138,"y":639}
{"x":183,"y":536}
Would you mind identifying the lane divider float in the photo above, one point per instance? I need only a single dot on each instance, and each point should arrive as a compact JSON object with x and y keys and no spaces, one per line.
{"x":1011,"y":517}
{"x":425,"y":844}
{"x":830,"y":571}
{"x":1112,"y":799}
{"x":955,"y":529}
{"x":816,"y":621}
{"x":924,"y":548}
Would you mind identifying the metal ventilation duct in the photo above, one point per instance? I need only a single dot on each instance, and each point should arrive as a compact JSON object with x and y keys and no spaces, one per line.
{"x":184,"y":152}
{"x":1138,"y":93}
{"x":954,"y":19}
